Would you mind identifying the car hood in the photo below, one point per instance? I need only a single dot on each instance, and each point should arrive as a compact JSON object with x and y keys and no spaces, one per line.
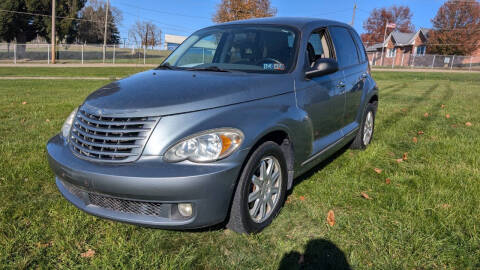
{"x":165,"y":92}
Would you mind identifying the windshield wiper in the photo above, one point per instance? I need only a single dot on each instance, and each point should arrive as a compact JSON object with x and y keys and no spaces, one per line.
{"x":211,"y":68}
{"x":165,"y":66}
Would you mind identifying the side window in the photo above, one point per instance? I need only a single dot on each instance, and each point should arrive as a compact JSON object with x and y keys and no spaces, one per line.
{"x":345,"y":48}
{"x":361,"y":48}
{"x":317,"y":47}
{"x":201,"y":52}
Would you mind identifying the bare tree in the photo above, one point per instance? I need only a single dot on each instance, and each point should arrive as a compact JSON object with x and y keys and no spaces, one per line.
{"x":146,"y":34}
{"x":232,"y":10}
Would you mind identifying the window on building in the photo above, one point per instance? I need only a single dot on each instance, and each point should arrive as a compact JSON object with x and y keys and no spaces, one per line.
{"x":421,"y":50}
{"x":391,"y":52}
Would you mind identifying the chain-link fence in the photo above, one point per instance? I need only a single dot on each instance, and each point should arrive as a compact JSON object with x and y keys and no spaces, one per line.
{"x":427,"y":61}
{"x":133,"y":54}
{"x":80,"y":54}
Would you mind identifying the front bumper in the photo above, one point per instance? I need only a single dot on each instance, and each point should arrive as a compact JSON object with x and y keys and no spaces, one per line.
{"x":146,"y":192}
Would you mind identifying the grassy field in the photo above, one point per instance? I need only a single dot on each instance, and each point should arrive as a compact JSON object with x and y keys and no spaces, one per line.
{"x":426,"y":216}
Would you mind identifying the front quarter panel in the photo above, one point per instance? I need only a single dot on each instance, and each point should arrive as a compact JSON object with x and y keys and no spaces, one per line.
{"x":255,"y":119}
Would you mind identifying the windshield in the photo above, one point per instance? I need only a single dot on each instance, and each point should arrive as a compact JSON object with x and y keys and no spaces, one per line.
{"x":263,"y":49}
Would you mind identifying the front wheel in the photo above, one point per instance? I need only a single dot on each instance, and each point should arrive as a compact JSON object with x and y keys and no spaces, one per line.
{"x":365,"y":133}
{"x":261,"y":189}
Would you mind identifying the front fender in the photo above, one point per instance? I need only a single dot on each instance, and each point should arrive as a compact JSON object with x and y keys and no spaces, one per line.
{"x":255,"y":119}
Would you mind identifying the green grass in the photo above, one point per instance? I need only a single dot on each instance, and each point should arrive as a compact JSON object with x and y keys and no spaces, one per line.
{"x":427,"y":217}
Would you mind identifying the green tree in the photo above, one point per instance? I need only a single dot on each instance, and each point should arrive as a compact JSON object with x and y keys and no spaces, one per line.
{"x":23,"y":26}
{"x":92,"y":27}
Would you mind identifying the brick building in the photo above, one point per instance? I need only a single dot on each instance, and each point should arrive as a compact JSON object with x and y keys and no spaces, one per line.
{"x":399,"y":48}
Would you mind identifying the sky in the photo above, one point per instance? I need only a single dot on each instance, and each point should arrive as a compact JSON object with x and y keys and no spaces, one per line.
{"x":183,"y":17}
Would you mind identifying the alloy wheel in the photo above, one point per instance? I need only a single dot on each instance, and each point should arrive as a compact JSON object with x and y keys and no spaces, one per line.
{"x":265,"y":187}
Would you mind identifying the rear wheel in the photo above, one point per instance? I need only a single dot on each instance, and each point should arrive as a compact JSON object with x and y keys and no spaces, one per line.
{"x":365,"y":133}
{"x":261,"y":189}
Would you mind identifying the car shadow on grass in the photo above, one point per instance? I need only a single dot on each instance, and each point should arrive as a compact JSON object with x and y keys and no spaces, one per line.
{"x":319,"y":254}
{"x":320,"y":166}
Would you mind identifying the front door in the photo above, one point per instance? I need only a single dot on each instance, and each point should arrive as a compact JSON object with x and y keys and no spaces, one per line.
{"x":322,"y":97}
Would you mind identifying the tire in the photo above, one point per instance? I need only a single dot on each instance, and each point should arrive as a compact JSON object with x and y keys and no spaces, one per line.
{"x":241,"y":220}
{"x":360,"y":142}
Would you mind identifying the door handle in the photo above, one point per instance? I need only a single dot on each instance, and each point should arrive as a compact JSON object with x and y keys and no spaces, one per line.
{"x":364,"y":76}
{"x":340,"y":84}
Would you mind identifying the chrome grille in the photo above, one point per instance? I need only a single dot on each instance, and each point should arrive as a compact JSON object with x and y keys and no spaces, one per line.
{"x":112,"y":139}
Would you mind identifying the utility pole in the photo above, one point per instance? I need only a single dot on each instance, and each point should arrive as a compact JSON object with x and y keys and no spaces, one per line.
{"x":105,"y":33}
{"x":53,"y":32}
{"x":353,"y":15}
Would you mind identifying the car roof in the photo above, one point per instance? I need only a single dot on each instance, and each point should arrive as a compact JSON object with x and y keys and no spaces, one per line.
{"x":298,"y":22}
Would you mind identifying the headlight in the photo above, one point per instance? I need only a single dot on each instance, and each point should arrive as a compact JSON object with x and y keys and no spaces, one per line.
{"x":206,"y":146}
{"x":68,"y":123}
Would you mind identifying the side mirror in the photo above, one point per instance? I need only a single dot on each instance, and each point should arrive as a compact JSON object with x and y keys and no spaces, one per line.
{"x":323,"y":66}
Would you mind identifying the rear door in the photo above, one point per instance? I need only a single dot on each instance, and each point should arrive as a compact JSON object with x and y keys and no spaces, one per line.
{"x":354,"y":71}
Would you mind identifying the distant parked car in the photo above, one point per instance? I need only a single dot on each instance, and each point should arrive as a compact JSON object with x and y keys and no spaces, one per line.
{"x":221,"y":129}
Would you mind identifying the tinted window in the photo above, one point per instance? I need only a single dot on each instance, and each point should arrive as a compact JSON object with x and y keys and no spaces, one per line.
{"x":361,"y":49}
{"x":344,"y":47}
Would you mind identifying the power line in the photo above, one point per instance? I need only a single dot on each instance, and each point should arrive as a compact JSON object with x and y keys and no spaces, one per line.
{"x":168,"y":26}
{"x":171,"y":26}
{"x":47,"y":15}
{"x":162,"y":12}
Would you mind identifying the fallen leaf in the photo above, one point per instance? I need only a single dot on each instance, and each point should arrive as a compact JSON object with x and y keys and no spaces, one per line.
{"x":88,"y":254}
{"x":405,"y":156}
{"x":443,"y":106}
{"x":414,"y":139}
{"x":365,"y":196}
{"x":399,"y":160}
{"x":377,"y":170}
{"x":391,"y":154}
{"x":468,"y":124}
{"x":447,"y":115}
{"x":289,"y":200}
{"x":301,"y":259}
{"x":44,"y":245}
{"x":403,"y":110}
{"x":331,"y":218}
{"x":420,"y":132}
{"x":445,"y":205}
{"x":387,"y":181}
{"x":454,"y":126}
{"x":23,"y":103}
{"x":302,"y":198}
{"x":426,"y":114}
{"x":48,"y":120}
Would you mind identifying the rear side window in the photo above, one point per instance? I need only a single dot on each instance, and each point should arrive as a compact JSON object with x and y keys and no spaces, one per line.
{"x":361,"y":49}
{"x":345,"y":48}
